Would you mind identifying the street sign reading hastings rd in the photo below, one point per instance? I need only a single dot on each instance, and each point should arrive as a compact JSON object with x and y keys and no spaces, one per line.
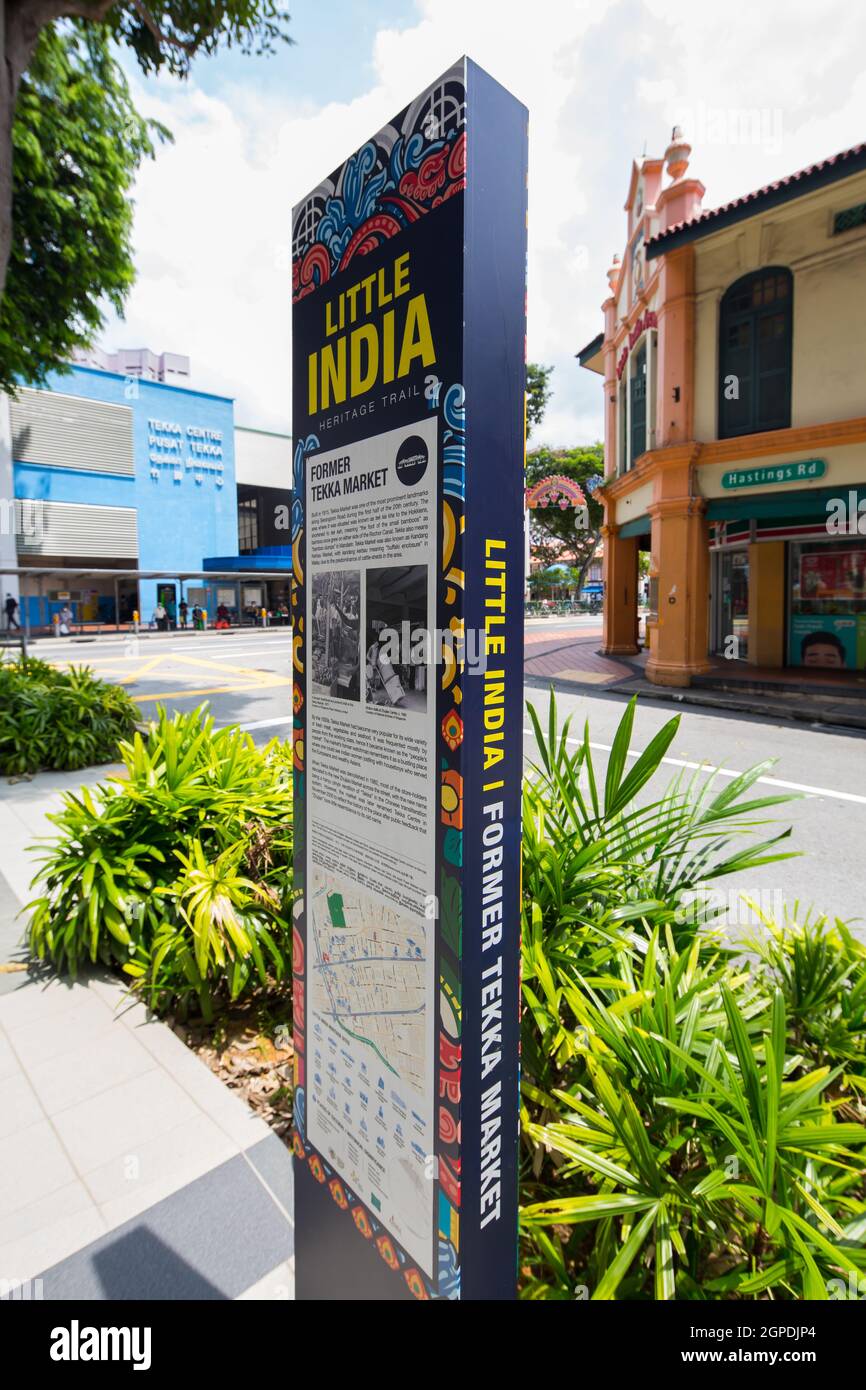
{"x":766,"y":476}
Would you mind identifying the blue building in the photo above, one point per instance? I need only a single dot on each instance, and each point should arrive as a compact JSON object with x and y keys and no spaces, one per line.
{"x":126,"y":494}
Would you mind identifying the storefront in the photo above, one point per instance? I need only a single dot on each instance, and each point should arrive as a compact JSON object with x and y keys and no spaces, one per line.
{"x":789,"y":589}
{"x":827,"y":586}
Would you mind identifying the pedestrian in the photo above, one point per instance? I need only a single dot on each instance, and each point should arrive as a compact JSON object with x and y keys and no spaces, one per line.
{"x":11,"y":606}
{"x":159,"y":616}
{"x":170,"y":613}
{"x":183,"y":610}
{"x":197,"y":618}
{"x":65,"y":616}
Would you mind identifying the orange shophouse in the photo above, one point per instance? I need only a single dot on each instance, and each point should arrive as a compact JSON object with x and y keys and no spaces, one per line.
{"x":734,"y":365}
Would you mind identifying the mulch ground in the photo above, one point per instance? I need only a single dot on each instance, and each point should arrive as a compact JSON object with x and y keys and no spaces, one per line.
{"x":250,"y":1050}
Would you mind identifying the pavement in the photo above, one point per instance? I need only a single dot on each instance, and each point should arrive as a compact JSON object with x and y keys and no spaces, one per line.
{"x":128,"y":1169}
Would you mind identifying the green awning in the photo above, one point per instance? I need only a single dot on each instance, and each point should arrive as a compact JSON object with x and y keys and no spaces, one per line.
{"x":641,"y":526}
{"x":786,"y":506}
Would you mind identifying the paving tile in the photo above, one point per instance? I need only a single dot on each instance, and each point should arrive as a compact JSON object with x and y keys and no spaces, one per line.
{"x":39,"y":999}
{"x":272,"y":1161}
{"x":129,"y":1183}
{"x":9,"y":982}
{"x":584,"y":677}
{"x":19,"y":1107}
{"x":112,"y":991}
{"x":105,"y":1060}
{"x":33,"y":812}
{"x":8,"y":1061}
{"x":33,"y":1164}
{"x":48,"y":1230}
{"x":120,"y":1120}
{"x":278,"y":1286}
{"x":46,"y":1037}
{"x":11,"y":925}
{"x":215,"y":1099}
{"x":214,"y":1239}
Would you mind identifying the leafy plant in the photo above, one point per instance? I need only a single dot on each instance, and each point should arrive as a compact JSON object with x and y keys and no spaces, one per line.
{"x":178,"y":873}
{"x":682,"y":1134}
{"x":820,"y":969}
{"x":59,"y":719}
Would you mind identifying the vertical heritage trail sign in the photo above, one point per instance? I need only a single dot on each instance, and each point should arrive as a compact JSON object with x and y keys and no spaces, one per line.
{"x":408,"y":282}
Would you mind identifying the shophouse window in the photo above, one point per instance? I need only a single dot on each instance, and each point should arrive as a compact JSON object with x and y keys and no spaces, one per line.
{"x":638,"y":394}
{"x":622,"y":426}
{"x":755,"y":354}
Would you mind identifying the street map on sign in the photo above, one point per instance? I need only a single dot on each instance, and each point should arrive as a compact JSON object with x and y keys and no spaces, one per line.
{"x":369,"y":965}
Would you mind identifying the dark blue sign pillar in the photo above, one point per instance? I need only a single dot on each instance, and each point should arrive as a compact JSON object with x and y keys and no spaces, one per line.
{"x":408,"y":407}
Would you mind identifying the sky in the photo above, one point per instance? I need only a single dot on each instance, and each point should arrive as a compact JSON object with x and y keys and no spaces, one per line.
{"x":761,"y":89}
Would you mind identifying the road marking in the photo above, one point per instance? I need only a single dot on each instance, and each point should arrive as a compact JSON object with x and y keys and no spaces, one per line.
{"x":252,"y":677}
{"x":118,"y":657}
{"x":262,"y":724}
{"x":210,"y":664}
{"x":212,"y":690}
{"x":726,"y":772}
{"x":252,"y":680}
{"x":131,"y":677}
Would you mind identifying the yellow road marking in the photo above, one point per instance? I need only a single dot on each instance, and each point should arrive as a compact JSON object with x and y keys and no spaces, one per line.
{"x":253,"y":679}
{"x":212,"y":690}
{"x":213,"y":665}
{"x":142,"y":671}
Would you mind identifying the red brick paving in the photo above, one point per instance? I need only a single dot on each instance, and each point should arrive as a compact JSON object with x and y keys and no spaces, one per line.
{"x":572,"y":658}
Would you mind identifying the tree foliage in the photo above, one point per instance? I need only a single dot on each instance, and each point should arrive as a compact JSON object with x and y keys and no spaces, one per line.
{"x":168,"y":34}
{"x":77,"y":144}
{"x":554,"y":536}
{"x":70,"y":144}
{"x":538,"y":393}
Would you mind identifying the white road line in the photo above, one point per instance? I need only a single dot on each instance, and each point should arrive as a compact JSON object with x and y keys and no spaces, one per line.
{"x":726,"y":772}
{"x":281,"y":643}
{"x":239,"y":651}
{"x":210,"y":652}
{"x":671,"y":762}
{"x":263,"y":723}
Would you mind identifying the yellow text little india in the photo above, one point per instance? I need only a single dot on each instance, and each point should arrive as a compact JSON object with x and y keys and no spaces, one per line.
{"x":494,"y":644}
{"x":370,"y":351}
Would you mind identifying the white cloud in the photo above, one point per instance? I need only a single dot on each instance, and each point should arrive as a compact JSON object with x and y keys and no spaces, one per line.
{"x":766,"y":88}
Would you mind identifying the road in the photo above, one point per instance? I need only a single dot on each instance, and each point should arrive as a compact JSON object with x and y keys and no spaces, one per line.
{"x":245,"y":676}
{"x":824,"y":770}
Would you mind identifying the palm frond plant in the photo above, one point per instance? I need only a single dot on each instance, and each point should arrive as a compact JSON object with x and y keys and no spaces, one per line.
{"x":681,"y":1137}
{"x":178,"y":873}
{"x":820,"y":968}
{"x":692,"y":1156}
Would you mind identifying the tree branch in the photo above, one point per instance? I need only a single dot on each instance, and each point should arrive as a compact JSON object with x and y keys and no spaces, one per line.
{"x":25,"y":20}
{"x":185,"y":45}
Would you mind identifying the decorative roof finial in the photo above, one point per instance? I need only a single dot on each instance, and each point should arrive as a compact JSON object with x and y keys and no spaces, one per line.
{"x":613,"y":274}
{"x":677,"y":154}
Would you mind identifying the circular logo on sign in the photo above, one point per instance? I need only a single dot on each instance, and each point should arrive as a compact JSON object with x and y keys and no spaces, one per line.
{"x":412,"y":460}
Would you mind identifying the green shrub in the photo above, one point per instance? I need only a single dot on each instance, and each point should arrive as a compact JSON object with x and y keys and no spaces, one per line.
{"x":59,"y":719}
{"x":179,"y":873}
{"x":683,"y":1133}
{"x":820,"y":969}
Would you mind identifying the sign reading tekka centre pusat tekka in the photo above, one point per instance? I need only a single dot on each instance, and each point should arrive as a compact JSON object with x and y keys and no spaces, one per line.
{"x":407,"y":532}
{"x":185,"y":449}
